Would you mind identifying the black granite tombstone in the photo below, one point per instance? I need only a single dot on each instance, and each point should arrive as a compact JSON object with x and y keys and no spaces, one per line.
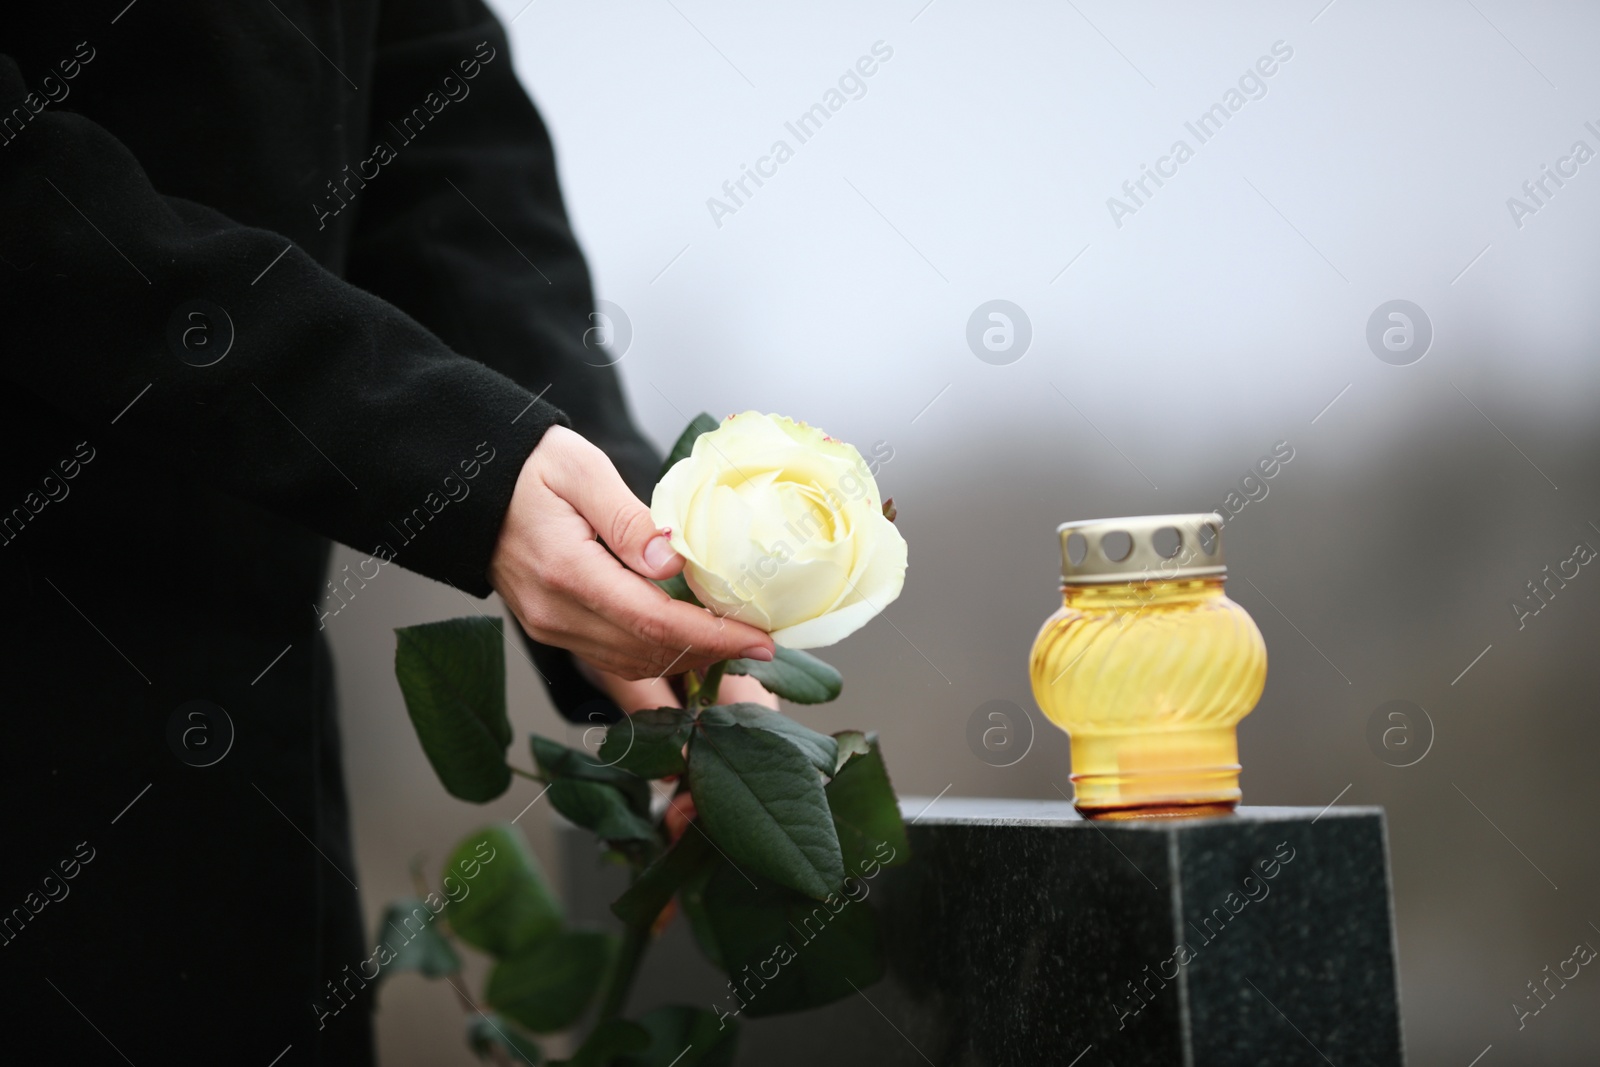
{"x":1021,"y":934}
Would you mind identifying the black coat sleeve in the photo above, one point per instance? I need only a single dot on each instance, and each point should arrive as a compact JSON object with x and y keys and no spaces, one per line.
{"x":465,"y":229}
{"x":332,"y":406}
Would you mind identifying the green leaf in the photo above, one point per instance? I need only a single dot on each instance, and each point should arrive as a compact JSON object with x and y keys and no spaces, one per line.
{"x":608,"y":1041}
{"x":686,"y":1037}
{"x":866,"y":814}
{"x":692,"y":899}
{"x":701,"y":423}
{"x":851,"y":743}
{"x":649,"y":893}
{"x":820,"y":749}
{"x":648,"y":743}
{"x":601,"y":808}
{"x":499,"y":900}
{"x":761,"y":801}
{"x":803,"y":953}
{"x":417,"y":944}
{"x":487,"y":1031}
{"x":453,"y":677}
{"x":558,"y":761}
{"x":794,"y":675}
{"x":547,"y":987}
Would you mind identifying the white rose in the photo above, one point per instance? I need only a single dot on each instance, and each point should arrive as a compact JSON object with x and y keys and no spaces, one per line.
{"x":781,"y":527}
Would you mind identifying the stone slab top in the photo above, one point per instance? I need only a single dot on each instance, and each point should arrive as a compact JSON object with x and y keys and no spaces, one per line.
{"x":1009,"y":811}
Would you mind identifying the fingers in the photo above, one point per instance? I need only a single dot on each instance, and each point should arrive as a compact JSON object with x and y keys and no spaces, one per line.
{"x":658,"y":621}
{"x":586,"y":602}
{"x":621,"y":653}
{"x":585,"y":478}
{"x":603,"y":645}
{"x":568,"y":591}
{"x":611,"y":648}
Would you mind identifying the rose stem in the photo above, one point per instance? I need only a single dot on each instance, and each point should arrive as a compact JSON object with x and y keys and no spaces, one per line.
{"x":706,"y":695}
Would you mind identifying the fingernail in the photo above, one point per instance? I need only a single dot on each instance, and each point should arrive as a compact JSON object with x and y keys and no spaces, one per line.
{"x":759,"y":652}
{"x":658,"y":553}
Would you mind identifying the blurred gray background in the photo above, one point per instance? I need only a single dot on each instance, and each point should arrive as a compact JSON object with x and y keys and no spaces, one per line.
{"x":1229,"y":311}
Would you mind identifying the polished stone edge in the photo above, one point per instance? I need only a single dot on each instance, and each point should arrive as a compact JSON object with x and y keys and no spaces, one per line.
{"x":1004,"y":811}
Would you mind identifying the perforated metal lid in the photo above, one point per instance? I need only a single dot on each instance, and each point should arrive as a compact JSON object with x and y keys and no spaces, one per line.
{"x":1193,"y":541}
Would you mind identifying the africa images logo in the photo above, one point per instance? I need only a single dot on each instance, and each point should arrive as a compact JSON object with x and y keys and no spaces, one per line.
{"x":1252,"y":85}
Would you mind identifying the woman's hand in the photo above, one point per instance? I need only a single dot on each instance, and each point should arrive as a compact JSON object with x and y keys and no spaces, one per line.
{"x":567,"y":590}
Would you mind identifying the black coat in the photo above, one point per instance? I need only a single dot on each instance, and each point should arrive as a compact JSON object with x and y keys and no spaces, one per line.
{"x":274,"y":273}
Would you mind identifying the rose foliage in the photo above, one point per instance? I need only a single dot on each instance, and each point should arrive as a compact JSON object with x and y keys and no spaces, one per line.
{"x":782,"y":527}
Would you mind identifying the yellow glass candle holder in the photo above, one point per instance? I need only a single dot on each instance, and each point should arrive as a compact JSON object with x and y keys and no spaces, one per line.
{"x":1148,"y":667}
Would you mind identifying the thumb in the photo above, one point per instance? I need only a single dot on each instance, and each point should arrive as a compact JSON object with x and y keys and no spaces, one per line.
{"x":586,"y":478}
